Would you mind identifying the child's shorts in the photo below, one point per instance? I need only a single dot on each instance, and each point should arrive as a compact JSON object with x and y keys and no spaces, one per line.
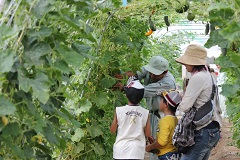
{"x":170,"y":156}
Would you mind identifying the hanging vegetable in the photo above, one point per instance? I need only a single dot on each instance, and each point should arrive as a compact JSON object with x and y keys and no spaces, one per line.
{"x":190,"y":16}
{"x":182,"y":7}
{"x":149,"y":32}
{"x":151,"y":24}
{"x":166,"y":21}
{"x":207,"y":29}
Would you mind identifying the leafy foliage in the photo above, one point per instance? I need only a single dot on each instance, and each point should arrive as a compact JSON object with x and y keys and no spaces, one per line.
{"x":58,"y":65}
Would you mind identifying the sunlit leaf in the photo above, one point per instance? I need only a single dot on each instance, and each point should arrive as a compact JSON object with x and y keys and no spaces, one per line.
{"x":6,"y":107}
{"x":84,"y":106}
{"x":6,"y":60}
{"x":79,"y":133}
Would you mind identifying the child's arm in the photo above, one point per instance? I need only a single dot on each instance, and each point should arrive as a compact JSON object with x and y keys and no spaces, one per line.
{"x":147,"y":128}
{"x":152,"y":146}
{"x":114,"y":125}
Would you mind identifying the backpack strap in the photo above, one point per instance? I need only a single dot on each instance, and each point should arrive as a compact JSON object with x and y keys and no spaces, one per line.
{"x":213,"y":88}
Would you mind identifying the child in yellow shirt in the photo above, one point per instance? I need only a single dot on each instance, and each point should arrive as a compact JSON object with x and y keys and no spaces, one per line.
{"x":168,"y":105}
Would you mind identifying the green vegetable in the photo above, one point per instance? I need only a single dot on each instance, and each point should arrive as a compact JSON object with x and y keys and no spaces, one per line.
{"x":207,"y":29}
{"x":166,"y":21}
{"x":182,"y":7}
{"x":190,"y":16}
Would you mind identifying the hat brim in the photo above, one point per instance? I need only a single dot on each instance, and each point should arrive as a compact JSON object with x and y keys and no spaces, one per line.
{"x":189,"y":60}
{"x":153,"y":70}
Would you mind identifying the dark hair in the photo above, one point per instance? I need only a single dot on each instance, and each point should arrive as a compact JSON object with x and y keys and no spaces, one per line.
{"x":199,"y":68}
{"x":134,"y":95}
{"x":172,"y":109}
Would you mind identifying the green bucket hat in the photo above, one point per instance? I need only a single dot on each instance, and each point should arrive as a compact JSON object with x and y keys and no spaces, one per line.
{"x":157,"y":65}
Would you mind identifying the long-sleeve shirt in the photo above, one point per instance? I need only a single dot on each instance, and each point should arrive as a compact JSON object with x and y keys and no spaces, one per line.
{"x":197,"y":93}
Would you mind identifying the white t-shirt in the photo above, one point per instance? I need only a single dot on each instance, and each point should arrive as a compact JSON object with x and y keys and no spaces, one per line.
{"x":130,"y":141}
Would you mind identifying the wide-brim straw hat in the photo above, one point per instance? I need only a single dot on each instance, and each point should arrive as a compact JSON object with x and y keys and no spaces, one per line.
{"x":194,"y":55}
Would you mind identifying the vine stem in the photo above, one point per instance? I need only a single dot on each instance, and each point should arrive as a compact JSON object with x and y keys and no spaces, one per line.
{"x":60,"y":156}
{"x":98,"y":48}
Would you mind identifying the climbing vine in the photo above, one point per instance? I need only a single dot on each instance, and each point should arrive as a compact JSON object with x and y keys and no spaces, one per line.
{"x":59,"y":61}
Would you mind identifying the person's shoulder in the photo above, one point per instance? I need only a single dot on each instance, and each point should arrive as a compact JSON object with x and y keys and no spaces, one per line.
{"x":144,"y":109}
{"x":200,"y":76}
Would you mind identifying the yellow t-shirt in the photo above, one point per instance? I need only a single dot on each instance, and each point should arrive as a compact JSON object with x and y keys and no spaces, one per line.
{"x":166,"y":128}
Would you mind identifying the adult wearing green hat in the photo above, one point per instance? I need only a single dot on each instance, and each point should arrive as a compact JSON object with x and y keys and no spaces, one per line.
{"x":156,"y":78}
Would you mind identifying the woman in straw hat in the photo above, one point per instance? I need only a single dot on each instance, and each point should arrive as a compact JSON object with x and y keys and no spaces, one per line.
{"x":197,"y":93}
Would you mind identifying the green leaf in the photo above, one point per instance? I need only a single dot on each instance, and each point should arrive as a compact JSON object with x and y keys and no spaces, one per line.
{"x":98,"y":149}
{"x":79,"y":133}
{"x":232,"y":31}
{"x":216,"y":39}
{"x":28,"y":152}
{"x":229,"y":90}
{"x":70,"y":56}
{"x":6,"y":107}
{"x":107,"y":82}
{"x":24,"y":82}
{"x":36,"y":51}
{"x":12,"y":129}
{"x":43,"y":32}
{"x":85,"y":106}
{"x":43,"y":7}
{"x":62,"y":66}
{"x":6,"y":60}
{"x":82,"y":49}
{"x":78,"y":148}
{"x":41,"y":87}
{"x":101,"y":98}
{"x":7,"y":32}
{"x":95,"y":129}
{"x":237,"y":4}
{"x":235,"y":58}
{"x":50,"y":136}
{"x":220,"y":10}
{"x":225,"y":62}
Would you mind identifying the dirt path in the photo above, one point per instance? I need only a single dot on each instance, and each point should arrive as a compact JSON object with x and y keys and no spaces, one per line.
{"x":224,"y":149}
